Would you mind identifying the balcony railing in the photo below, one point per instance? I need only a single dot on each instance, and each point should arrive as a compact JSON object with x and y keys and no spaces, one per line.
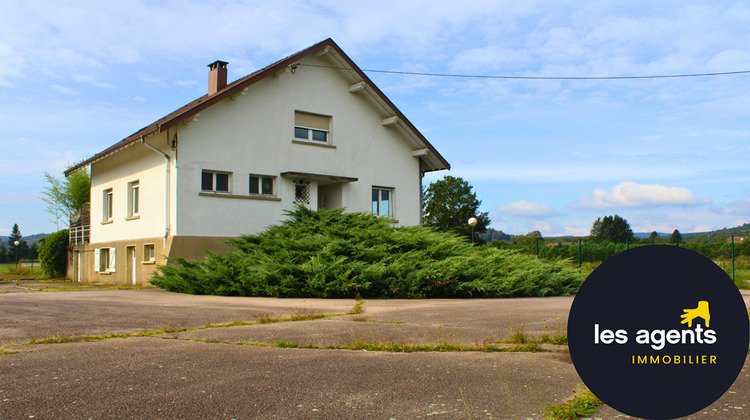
{"x":80,"y":226}
{"x":79,"y":235}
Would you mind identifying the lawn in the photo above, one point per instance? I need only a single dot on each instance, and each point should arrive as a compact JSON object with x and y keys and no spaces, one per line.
{"x":9,"y":269}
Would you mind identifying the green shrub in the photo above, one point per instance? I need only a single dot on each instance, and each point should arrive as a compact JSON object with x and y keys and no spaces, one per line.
{"x":329,"y":253}
{"x":53,"y":254}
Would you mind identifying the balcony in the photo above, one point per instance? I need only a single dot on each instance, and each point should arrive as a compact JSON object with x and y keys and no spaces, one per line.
{"x":80,"y":226}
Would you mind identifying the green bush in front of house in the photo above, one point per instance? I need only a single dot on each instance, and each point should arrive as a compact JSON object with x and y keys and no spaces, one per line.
{"x":329,"y":253}
{"x":53,"y":254}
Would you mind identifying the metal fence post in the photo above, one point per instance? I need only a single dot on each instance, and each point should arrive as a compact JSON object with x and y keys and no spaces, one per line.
{"x":732,"y":257}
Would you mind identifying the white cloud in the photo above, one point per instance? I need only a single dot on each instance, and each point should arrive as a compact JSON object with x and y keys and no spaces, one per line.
{"x":630,"y":194}
{"x":64,"y":90}
{"x":524,"y":208}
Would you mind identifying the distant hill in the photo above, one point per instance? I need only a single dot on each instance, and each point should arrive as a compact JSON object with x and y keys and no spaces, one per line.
{"x":29,"y":239}
{"x":644,"y":235}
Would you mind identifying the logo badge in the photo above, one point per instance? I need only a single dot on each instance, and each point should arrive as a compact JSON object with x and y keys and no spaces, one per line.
{"x":658,"y":332}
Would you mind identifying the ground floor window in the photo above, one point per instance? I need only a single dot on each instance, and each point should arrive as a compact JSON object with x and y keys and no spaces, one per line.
{"x":382,"y":201}
{"x":148,"y":253}
{"x":302,"y":192}
{"x":105,"y":259}
{"x":260,"y":184}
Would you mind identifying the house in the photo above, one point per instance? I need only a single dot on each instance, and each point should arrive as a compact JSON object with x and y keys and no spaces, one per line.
{"x":310,"y":129}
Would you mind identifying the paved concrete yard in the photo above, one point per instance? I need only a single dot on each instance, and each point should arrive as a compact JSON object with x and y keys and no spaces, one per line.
{"x":201,"y":373}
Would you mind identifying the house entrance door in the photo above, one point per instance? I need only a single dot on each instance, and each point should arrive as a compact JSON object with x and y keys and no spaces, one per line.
{"x":329,"y":196}
{"x":77,"y":266}
{"x":131,"y":270}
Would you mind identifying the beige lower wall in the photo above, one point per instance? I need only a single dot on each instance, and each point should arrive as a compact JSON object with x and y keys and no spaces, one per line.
{"x":195,"y":247}
{"x":190,"y":247}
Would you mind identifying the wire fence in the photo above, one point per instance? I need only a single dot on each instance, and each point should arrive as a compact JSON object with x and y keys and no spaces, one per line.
{"x":596,"y":252}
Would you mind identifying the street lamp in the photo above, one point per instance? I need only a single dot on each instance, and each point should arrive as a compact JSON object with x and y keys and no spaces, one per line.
{"x":472,"y":223}
{"x":16,"y":243}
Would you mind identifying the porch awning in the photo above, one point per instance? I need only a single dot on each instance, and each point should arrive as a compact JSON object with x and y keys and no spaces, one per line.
{"x":320,"y":178}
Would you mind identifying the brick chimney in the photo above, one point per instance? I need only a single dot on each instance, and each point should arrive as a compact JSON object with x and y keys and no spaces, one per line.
{"x":217,"y":76}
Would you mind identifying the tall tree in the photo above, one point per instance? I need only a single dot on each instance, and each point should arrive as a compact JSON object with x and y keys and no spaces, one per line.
{"x":653,"y":237}
{"x":449,"y":203}
{"x":531,"y":238}
{"x":676,"y":237}
{"x":15,"y":235}
{"x":611,"y":228}
{"x":66,"y":195}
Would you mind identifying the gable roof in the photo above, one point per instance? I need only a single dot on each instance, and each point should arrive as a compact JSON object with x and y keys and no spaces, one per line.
{"x":341,"y":63}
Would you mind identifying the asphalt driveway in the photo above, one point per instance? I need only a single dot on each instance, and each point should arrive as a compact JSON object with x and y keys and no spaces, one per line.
{"x":188,"y":365}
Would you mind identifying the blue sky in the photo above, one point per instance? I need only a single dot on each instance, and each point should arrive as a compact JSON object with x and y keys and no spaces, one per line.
{"x":76,"y":77}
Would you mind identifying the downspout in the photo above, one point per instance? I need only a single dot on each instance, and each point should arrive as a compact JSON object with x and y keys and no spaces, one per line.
{"x":166,"y":183}
{"x":421,"y":194}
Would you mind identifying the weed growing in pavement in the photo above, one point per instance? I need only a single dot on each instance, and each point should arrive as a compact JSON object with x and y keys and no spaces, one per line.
{"x":518,"y":337}
{"x":357,"y":309}
{"x":583,"y":404}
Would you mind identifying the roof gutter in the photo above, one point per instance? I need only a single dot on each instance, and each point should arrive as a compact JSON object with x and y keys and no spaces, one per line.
{"x":166,"y":183}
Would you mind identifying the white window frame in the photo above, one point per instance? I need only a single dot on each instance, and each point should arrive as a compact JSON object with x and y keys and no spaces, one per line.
{"x":379,"y":189}
{"x":260,"y":184}
{"x":134,"y":198}
{"x":213,"y":181}
{"x":107,"y":205}
{"x":149,"y":253}
{"x":310,"y":130}
{"x":110,"y":262}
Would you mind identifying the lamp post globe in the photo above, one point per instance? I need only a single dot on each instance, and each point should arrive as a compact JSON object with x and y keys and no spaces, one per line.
{"x":472,"y":223}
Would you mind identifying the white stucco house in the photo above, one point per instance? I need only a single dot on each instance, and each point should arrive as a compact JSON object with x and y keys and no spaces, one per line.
{"x":311,"y":128}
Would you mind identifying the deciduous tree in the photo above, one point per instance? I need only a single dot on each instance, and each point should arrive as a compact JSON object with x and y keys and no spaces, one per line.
{"x":611,"y":228}
{"x":449,"y":203}
{"x":66,"y":195}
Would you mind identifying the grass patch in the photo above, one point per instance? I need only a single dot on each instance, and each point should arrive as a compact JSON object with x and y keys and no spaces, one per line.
{"x":77,"y":287}
{"x":357,"y":309}
{"x":363,"y":319}
{"x":442,"y":347}
{"x":519,"y":336}
{"x":10,"y":269}
{"x":302,"y":316}
{"x":332,"y":254}
{"x":7,"y":349}
{"x":297,"y":316}
{"x":559,"y":340}
{"x":583,"y":404}
{"x":385,"y":347}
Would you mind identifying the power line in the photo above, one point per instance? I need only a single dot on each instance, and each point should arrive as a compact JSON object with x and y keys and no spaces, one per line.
{"x":479,"y":76}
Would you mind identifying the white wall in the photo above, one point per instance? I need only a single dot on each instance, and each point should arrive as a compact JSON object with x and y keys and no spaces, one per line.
{"x":254,"y":133}
{"x":117,"y":171}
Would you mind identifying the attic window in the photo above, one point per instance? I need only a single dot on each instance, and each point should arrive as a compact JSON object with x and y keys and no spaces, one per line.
{"x":312,"y":127}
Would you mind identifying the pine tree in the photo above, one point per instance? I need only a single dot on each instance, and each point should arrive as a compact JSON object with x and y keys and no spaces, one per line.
{"x":676,"y":237}
{"x":15,"y":235}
